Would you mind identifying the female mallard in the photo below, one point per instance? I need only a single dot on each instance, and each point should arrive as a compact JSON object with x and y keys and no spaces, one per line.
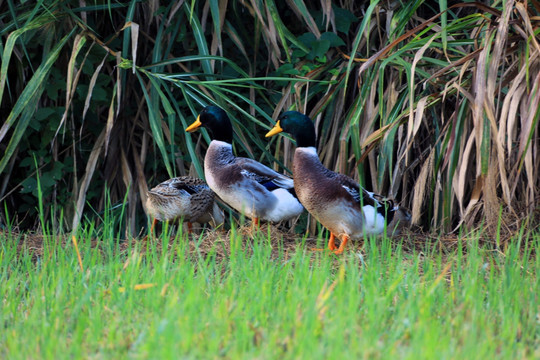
{"x":335,"y":200}
{"x":244,"y":184}
{"x":183,"y":197}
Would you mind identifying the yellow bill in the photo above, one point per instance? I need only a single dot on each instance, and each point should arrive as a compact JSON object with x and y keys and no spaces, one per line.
{"x":195,"y":125}
{"x":275,"y":130}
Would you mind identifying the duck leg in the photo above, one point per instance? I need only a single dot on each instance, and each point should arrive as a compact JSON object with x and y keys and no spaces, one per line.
{"x":332,"y":242}
{"x":344,"y":241}
{"x":255,"y":224}
{"x":154,"y":222}
{"x":189,"y":228}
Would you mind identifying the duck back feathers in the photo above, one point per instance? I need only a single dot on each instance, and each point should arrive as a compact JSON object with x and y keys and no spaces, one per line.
{"x":183,"y":197}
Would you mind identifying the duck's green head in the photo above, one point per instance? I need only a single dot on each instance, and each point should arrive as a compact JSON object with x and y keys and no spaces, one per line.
{"x":216,"y":121}
{"x":298,"y":125}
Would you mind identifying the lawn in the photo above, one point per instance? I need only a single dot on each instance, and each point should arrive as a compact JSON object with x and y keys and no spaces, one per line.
{"x":265,"y":295}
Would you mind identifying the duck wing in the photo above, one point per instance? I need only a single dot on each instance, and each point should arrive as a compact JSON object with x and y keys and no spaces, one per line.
{"x":382,"y":205}
{"x":200,"y":195}
{"x":263,"y":175}
{"x":188,"y":184}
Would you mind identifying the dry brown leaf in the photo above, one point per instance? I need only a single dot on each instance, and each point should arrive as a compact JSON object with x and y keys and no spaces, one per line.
{"x":479,"y":86}
{"x":491,"y":200}
{"x":110,"y":122}
{"x":531,"y":33}
{"x":422,"y":186}
{"x":71,"y":84}
{"x":376,"y":135}
{"x":89,"y":172}
{"x":93,"y":80}
{"x":134,"y":44}
{"x":460,"y":176}
{"x":478,"y":189}
{"x":141,"y":178}
{"x":312,"y":25}
{"x":414,"y":125}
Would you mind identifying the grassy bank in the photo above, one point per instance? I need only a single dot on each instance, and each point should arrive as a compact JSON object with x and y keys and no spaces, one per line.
{"x":235,"y":296}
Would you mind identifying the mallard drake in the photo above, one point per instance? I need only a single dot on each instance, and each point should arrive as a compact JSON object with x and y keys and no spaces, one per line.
{"x":335,"y":200}
{"x":246,"y":185}
{"x":185,"y":198}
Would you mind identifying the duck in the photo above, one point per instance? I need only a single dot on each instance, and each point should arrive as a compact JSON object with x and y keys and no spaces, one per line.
{"x":249,"y":187}
{"x":338,"y":202}
{"x":186,"y":198}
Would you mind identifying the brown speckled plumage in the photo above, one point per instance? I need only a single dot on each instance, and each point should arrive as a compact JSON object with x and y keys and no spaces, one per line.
{"x":183,"y":197}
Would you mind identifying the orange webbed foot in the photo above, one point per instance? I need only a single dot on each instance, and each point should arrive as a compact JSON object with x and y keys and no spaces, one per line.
{"x":344,"y":241}
{"x":331,"y":244}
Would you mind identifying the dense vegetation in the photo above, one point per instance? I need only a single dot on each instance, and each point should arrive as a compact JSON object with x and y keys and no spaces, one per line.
{"x":432,"y":103}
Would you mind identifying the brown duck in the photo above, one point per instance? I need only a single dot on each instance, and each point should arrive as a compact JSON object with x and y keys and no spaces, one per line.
{"x":186,"y":198}
{"x":335,"y":200}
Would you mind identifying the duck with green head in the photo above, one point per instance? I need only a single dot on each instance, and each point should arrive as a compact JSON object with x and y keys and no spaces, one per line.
{"x":335,"y":200}
{"x":244,"y":184}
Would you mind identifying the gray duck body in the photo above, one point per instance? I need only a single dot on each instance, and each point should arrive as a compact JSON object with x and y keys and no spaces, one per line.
{"x":239,"y":182}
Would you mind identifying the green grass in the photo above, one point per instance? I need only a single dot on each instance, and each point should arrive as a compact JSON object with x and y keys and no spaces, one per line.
{"x":264,"y":302}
